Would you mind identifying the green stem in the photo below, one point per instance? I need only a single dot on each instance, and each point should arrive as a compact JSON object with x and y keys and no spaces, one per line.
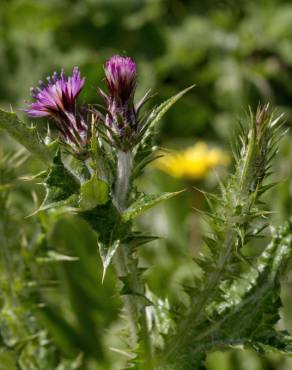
{"x":122,"y":186}
{"x":124,"y":265}
{"x":121,"y":267}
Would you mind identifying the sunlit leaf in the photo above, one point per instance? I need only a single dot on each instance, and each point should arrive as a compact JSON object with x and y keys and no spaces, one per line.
{"x":144,"y":203}
{"x":93,"y":192}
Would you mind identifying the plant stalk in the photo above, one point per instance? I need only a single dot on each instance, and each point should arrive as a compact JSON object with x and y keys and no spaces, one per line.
{"x":124,"y":265}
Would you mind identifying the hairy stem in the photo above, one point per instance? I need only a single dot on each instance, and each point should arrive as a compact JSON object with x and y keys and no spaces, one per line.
{"x":125,"y":265}
{"x":124,"y":171}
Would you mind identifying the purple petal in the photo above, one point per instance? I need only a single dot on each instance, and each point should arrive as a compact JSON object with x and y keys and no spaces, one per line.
{"x":120,"y":75}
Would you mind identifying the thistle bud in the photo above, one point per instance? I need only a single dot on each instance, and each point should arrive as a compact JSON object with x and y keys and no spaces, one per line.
{"x":120,"y":75}
{"x":121,"y":119}
{"x":57,"y":99}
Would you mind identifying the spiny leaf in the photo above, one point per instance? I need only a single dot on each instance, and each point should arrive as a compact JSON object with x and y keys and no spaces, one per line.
{"x":61,"y":187}
{"x":247,"y":310}
{"x":144,"y":203}
{"x":160,"y":111}
{"x":106,"y":254}
{"x":25,"y":135}
{"x":233,"y":218}
{"x":145,"y":138}
{"x":138,"y":170}
{"x":93,"y":192}
{"x":105,"y":220}
{"x":136,"y":239}
{"x":265,"y":272}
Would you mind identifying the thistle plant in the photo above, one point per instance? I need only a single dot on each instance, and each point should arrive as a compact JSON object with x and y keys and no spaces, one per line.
{"x":94,"y":156}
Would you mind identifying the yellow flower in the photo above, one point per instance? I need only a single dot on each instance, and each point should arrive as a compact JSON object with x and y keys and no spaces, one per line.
{"x":192,"y":163}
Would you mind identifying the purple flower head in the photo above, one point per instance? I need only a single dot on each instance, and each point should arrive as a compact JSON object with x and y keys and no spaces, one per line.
{"x":120,"y":75}
{"x":121,"y":120}
{"x":57,"y":99}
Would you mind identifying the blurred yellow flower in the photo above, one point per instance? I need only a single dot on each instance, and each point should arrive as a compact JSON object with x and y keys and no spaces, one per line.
{"x":194,"y":162}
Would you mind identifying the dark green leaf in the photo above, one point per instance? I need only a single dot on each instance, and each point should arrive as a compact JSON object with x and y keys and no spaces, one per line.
{"x":62,"y":188}
{"x":93,"y":192}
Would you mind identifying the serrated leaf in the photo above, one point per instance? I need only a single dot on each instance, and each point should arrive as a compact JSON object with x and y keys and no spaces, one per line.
{"x":248,"y":309}
{"x":255,"y":298}
{"x":228,"y":308}
{"x":106,"y":254}
{"x":105,"y":220}
{"x":159,"y":111}
{"x":93,"y":192}
{"x":265,"y":274}
{"x":26,"y":136}
{"x":62,"y":188}
{"x":137,"y":239}
{"x":144,"y":203}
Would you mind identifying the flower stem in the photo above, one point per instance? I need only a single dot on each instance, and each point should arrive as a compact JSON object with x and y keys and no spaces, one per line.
{"x":125,"y":265}
{"x":124,"y":171}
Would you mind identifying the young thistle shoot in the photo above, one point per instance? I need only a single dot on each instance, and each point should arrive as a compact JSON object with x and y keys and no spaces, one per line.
{"x":237,"y":215}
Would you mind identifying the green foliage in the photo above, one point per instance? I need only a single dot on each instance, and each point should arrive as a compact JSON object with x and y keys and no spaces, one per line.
{"x":237,"y":53}
{"x":222,"y":294}
{"x":61,"y":187}
{"x":22,"y":336}
{"x":255,"y":298}
{"x":247,"y":310}
{"x":145,"y":202}
{"x":93,"y":192}
{"x":156,"y":115}
{"x":25,"y":135}
{"x":143,"y":152}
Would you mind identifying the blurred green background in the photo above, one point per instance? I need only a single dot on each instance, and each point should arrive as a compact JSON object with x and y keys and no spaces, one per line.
{"x":238,"y":53}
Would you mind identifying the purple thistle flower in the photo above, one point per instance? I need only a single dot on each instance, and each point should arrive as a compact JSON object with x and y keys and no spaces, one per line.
{"x":121,"y":119}
{"x":120,"y":75}
{"x":57,"y":99}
